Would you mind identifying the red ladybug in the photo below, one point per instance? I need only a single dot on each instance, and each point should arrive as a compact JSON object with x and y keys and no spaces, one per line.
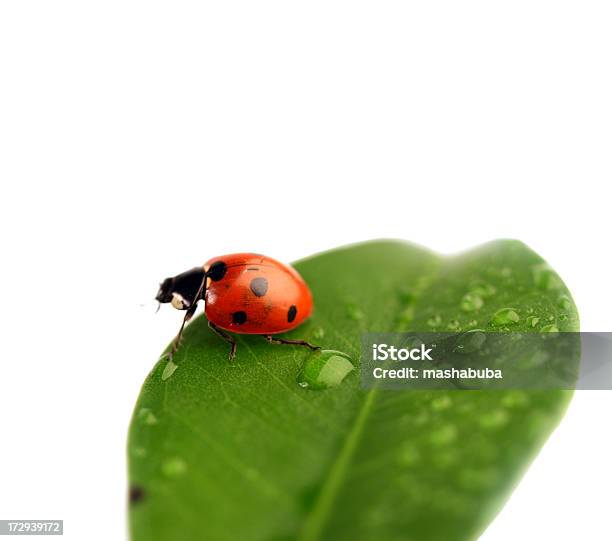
{"x":243,"y":294}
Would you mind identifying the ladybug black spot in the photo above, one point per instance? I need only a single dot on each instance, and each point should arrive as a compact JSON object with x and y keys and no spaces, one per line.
{"x":217,"y":271}
{"x":291,"y":313}
{"x":259,"y":286}
{"x":238,"y":318}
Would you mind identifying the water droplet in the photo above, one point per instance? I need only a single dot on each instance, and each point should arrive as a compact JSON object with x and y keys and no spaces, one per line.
{"x":470,"y":341}
{"x":532,"y":321}
{"x":505,"y":316}
{"x":411,"y":342}
{"x":169,"y":369}
{"x":494,"y":419}
{"x":478,"y":479}
{"x":324,"y":369}
{"x":421,"y":419}
{"x":406,"y":316}
{"x":354,"y":312}
{"x":441,"y":403}
{"x":472,"y":323}
{"x":550,"y":329}
{"x":174,"y":467}
{"x":139,"y":452}
{"x":515,"y":399}
{"x":564,"y":302}
{"x":482,"y":289}
{"x":319,"y":333}
{"x":453,"y":325}
{"x":434,"y":321}
{"x":471,"y":302}
{"x":535,"y":422}
{"x":444,"y":435}
{"x":544,"y":277}
{"x":146,"y":416}
{"x":409,"y":455}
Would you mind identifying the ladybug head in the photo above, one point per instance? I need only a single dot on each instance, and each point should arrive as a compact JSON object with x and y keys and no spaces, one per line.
{"x":165,"y":291}
{"x":181,"y":290}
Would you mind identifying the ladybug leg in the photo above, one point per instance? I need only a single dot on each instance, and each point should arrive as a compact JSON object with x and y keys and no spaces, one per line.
{"x":177,"y":339}
{"x":188,"y":315}
{"x":227,"y":337}
{"x":273,"y":340}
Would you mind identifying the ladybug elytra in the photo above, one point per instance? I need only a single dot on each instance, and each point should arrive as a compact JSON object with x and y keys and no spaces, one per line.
{"x":244,"y":294}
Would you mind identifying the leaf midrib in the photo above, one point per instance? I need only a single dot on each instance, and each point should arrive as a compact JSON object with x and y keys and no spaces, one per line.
{"x":315,"y":522}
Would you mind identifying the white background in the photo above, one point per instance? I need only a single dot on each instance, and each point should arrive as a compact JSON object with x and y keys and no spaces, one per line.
{"x":138,"y":139}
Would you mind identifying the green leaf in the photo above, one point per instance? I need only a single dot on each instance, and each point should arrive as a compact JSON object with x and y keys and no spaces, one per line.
{"x":242,"y":451}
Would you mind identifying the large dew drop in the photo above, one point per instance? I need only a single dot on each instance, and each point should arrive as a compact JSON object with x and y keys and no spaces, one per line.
{"x":505,"y":316}
{"x":169,"y":369}
{"x":324,"y":369}
{"x":544,"y":277}
{"x":471,"y":302}
{"x":564,"y":302}
{"x":470,"y":341}
{"x":482,"y":289}
{"x":147,"y":417}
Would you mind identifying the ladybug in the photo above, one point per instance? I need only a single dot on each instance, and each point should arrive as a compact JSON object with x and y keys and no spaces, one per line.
{"x":244,"y":294}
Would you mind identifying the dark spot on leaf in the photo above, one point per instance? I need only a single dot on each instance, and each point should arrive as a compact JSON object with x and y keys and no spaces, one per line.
{"x":292,"y":313}
{"x":259,"y":286}
{"x":136,"y":494}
